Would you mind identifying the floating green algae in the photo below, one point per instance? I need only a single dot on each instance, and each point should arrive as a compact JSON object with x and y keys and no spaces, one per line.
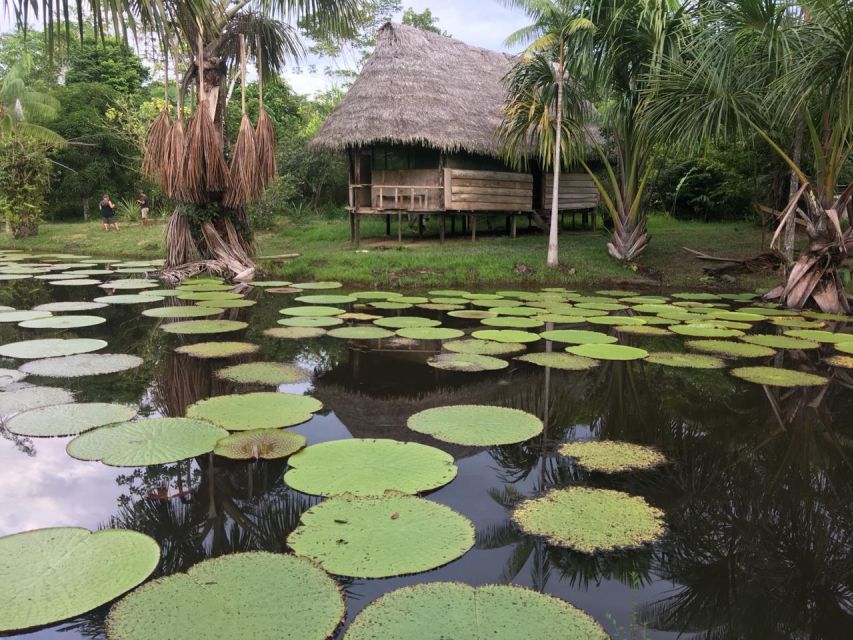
{"x":779,"y":377}
{"x":476,"y":425}
{"x":251,"y":411}
{"x":381,"y":537}
{"x":68,"y":419}
{"x":241,"y":595}
{"x":260,"y":444}
{"x":48,"y":575}
{"x":466,"y":362}
{"x":563,"y":361}
{"x":590,"y":520}
{"x":206,"y":350}
{"x":367,"y":467}
{"x":462,"y":612}
{"x":608,"y":456}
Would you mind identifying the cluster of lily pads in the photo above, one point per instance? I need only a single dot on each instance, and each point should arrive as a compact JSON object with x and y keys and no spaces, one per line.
{"x":372,"y":505}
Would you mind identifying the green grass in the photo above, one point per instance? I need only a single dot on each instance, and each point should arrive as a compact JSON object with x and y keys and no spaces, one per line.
{"x":492,"y":260}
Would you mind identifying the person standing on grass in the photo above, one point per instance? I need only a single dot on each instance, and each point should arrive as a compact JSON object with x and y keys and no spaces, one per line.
{"x":108,"y":213}
{"x":144,"y":205}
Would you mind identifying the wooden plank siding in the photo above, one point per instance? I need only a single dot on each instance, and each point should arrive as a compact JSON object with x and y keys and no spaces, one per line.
{"x":471,"y":190}
{"x":577,"y":191}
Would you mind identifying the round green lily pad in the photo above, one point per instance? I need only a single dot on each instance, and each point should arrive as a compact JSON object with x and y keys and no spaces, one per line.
{"x":362,"y":467}
{"x":558,"y":318}
{"x":202,"y":287}
{"x":273,"y":373}
{"x":449,"y":293}
{"x":251,"y":411}
{"x":130,"y":283}
{"x":779,"y":377}
{"x":432,"y":306}
{"x":827,"y":337}
{"x":314,"y":312}
{"x":226,"y":304}
{"x":730,"y":348}
{"x":608,"y":352}
{"x":59,"y":307}
{"x":361,"y":333}
{"x":48,"y":575}
{"x":643,"y":330}
{"x":162,"y":293}
{"x":217,"y":349}
{"x":310,"y":321}
{"x":261,"y":444}
{"x":23,"y":316}
{"x":737,"y":316}
{"x":381,"y":537}
{"x":686,"y":360}
{"x":306,"y":286}
{"x":271,"y":284}
{"x":466,"y":362}
{"x":562,"y":361}
{"x":797,"y":323}
{"x":190,"y":311}
{"x":515,"y":311}
{"x":831,"y":317}
{"x":50,"y":348}
{"x":406,"y":322}
{"x":483,"y":347}
{"x":780,"y":342}
{"x":68,"y":419}
{"x":32,"y":398}
{"x":612,"y":457}
{"x":10,"y":376}
{"x":201,"y":327}
{"x":506,"y":335}
{"x":511,"y":322}
{"x":63,"y":322}
{"x":471,"y":314}
{"x":476,"y":425}
{"x":459,"y":301}
{"x":392,"y":306}
{"x":430,"y":333}
{"x":843,"y":347}
{"x":81,"y":365}
{"x":696,"y":296}
{"x":326,"y":299}
{"x":622,"y":321}
{"x":295,"y":333}
{"x":704,"y":331}
{"x":590,"y":520}
{"x":241,"y":595}
{"x":130,"y":298}
{"x":199,"y":296}
{"x":462,"y":612}
{"x":577,"y":336}
{"x":359,"y":317}
{"x":145,"y":442}
{"x":16,"y":276}
{"x":75,"y":282}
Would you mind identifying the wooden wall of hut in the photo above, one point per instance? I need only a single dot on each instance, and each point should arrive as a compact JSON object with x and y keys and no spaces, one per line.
{"x":577,"y":191}
{"x":466,"y":190}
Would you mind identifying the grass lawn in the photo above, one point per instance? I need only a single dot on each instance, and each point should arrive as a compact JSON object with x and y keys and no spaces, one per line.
{"x":493,"y":259}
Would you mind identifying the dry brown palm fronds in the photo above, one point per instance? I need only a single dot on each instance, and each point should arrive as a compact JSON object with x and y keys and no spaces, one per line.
{"x":180,"y":246}
{"x":153,"y":156}
{"x":244,"y":167}
{"x":265,"y":146}
{"x":173,"y":159}
{"x":205,"y":171}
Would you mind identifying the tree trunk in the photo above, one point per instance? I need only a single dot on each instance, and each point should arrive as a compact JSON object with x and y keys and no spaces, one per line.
{"x":553,"y":231}
{"x":793,"y":187}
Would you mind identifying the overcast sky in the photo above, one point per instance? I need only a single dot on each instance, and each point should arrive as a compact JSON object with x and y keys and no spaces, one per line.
{"x":485,"y":23}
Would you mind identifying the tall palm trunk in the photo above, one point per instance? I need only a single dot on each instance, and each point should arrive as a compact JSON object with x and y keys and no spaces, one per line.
{"x":554,"y":230}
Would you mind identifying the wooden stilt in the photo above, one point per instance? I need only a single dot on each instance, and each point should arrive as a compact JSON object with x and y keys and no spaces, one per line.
{"x":420,"y":226}
{"x":387,"y":224}
{"x":352,"y":227}
{"x":357,"y":238}
{"x":593,"y":219}
{"x":473,"y":228}
{"x":513,"y":225}
{"x":441,"y":223}
{"x":400,"y":227}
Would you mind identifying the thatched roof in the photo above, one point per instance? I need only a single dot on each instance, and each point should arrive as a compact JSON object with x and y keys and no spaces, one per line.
{"x":422,"y":88}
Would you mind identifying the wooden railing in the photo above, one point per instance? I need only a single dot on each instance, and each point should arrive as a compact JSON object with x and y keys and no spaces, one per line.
{"x":399,"y":197}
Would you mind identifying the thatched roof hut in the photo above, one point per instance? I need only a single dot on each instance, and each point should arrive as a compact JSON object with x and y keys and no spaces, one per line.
{"x":422,"y":89}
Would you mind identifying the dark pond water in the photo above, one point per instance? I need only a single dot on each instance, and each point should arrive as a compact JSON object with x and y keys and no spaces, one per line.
{"x":758,"y":502}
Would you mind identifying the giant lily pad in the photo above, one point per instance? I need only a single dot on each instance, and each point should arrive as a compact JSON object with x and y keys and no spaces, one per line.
{"x":261,"y":444}
{"x":780,"y":342}
{"x":313,"y":312}
{"x":704,"y":330}
{"x":130,"y":298}
{"x":612,"y":457}
{"x":816,"y":335}
{"x":506,"y":335}
{"x":686,"y":360}
{"x":242,"y":595}
{"x":405,"y":322}
{"x":63,"y":322}
{"x":577,"y":336}
{"x":731,"y":349}
{"x":130,"y":283}
{"x":217,"y":349}
{"x":779,"y":377}
{"x":68,"y":419}
{"x":511,"y":322}
{"x":392,"y":306}
{"x":251,"y":411}
{"x":75,"y":282}
{"x":466,"y":362}
{"x":273,"y":373}
{"x":590,"y":520}
{"x":59,"y":307}
{"x":311,"y":321}
{"x":202,"y":327}
{"x":843,"y":347}
{"x":643,"y":330}
{"x":362,"y":467}
{"x":430,"y":333}
{"x":199,"y":296}
{"x":437,"y":610}
{"x":10,"y":376}
{"x":562,"y":361}
{"x":608,"y":352}
{"x":476,"y":425}
{"x":483,"y":347}
{"x":145,"y":442}
{"x":226,"y":304}
{"x":472,"y":314}
{"x":361,"y":333}
{"x":32,"y":398}
{"x":23,"y":316}
{"x":78,"y":366}
{"x":190,"y":311}
{"x":381,"y":537}
{"x":326,"y":299}
{"x":314,"y":286}
{"x":48,"y":575}
{"x":295,"y":333}
{"x":50,"y":348}
{"x":621,"y":321}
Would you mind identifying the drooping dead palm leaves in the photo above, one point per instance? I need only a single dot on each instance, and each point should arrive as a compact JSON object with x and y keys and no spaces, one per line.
{"x":245,"y":184}
{"x":156,"y":139}
{"x":264,"y":136}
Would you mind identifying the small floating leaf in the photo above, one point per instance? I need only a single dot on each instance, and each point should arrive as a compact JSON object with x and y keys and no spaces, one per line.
{"x":466,"y":362}
{"x":590,"y":520}
{"x":357,"y":537}
{"x":362,"y":467}
{"x":217,"y":349}
{"x":261,"y":444}
{"x":608,"y":456}
{"x":476,"y":425}
{"x":779,"y":377}
{"x":68,"y":419}
{"x":50,"y":348}
{"x":686,"y":360}
{"x":608,"y":352}
{"x":562,"y":361}
{"x":200,"y":327}
{"x":273,"y":373}
{"x":251,"y":411}
{"x":145,"y":442}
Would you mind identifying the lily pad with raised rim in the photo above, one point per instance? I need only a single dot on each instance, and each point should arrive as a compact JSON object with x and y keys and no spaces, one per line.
{"x":843,"y":347}
{"x":203,"y":327}
{"x":77,"y":306}
{"x":68,"y":419}
{"x":406,"y":322}
{"x":130,"y":283}
{"x":361,"y":333}
{"x":130,"y":298}
{"x":578,"y":336}
{"x":145,"y":442}
{"x":326,"y":299}
{"x":826,"y":337}
{"x":295,"y":333}
{"x":190,"y":311}
{"x":50,"y":348}
{"x":392,"y":535}
{"x":200,"y":296}
{"x":315,"y":286}
{"x":252,"y":411}
{"x":779,"y":377}
{"x":780,"y":342}
{"x":466,"y":362}
{"x":608,"y":352}
{"x":242,"y":595}
{"x":261,"y":444}
{"x":63,"y":322}
{"x":210,"y":350}
{"x":705,"y":331}
{"x":463,"y":612}
{"x":563,"y":361}
{"x":311,"y":321}
{"x":686,"y":360}
{"x":476,"y":425}
{"x":226,"y":304}
{"x":608,"y":456}
{"x":48,"y":575}
{"x":311,"y":311}
{"x":643,"y":330}
{"x":506,"y":335}
{"x":23,"y":316}
{"x":590,"y":520}
{"x":731,"y":348}
{"x":81,"y":365}
{"x":365,"y":467}
{"x":483,"y":347}
{"x":430,"y":333}
{"x":32,"y":398}
{"x":272,"y":373}
{"x":510,"y":322}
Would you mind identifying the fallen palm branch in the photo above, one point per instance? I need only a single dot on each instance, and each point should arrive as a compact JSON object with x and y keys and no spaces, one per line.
{"x":768,"y":261}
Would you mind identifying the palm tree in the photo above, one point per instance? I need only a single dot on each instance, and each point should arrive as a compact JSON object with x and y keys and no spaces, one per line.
{"x":536,"y":114}
{"x":716,"y":90}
